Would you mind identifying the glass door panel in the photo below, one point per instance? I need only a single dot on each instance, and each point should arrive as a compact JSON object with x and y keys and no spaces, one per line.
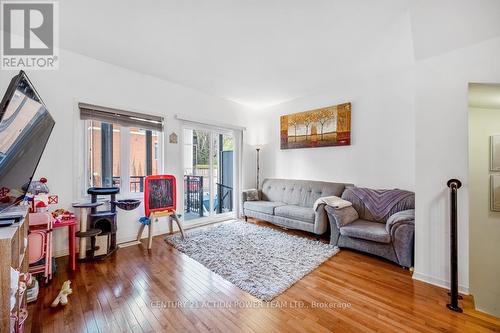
{"x":208,"y":173}
{"x":224,"y":184}
{"x":196,"y":173}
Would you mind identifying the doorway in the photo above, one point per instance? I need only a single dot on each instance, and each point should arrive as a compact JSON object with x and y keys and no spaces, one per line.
{"x":209,"y":173}
{"x":484,"y":196}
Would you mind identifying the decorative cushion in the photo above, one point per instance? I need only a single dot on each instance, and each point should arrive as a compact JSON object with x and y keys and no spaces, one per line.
{"x":293,"y":212}
{"x":344,"y":216}
{"x":372,"y":231}
{"x":266,"y":207}
{"x":252,"y":195}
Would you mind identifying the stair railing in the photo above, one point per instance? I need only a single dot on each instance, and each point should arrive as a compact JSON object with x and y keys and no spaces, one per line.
{"x":454,"y":185}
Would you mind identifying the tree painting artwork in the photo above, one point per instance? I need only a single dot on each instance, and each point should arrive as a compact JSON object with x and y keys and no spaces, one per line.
{"x":329,"y":126}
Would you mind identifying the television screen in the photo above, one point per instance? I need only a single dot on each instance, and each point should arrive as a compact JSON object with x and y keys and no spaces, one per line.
{"x":25,"y":127}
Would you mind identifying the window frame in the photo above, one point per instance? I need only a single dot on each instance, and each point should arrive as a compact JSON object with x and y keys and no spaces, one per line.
{"x":124,"y":160}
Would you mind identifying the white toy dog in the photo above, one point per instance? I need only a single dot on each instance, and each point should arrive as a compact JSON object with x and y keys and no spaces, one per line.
{"x":62,"y":297}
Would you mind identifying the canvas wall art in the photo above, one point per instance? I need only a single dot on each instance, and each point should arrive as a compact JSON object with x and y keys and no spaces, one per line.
{"x":495,"y":153}
{"x":495,"y":193}
{"x":329,"y":126}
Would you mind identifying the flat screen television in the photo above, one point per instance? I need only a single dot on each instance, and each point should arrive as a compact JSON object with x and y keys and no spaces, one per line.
{"x":25,"y":127}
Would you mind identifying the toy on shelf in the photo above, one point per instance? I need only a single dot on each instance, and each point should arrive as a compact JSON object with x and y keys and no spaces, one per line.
{"x":41,"y":207}
{"x":38,"y":196}
{"x":62,"y":297}
{"x":63,"y":215}
{"x":159,"y":201}
{"x":38,"y":187}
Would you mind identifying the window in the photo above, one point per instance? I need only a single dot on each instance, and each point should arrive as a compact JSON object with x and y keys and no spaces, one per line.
{"x":103,"y":154}
{"x":143,"y":159}
{"x":122,"y":148}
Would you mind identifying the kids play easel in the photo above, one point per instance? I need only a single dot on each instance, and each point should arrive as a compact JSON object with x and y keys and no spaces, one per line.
{"x":172,"y":215}
{"x":159,"y":201}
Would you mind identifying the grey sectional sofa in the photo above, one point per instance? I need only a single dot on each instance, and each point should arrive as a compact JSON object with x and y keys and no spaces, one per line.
{"x":289,"y":203}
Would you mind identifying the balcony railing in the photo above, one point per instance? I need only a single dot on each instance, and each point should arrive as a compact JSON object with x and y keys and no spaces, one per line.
{"x":193,"y":194}
{"x":198,"y":202}
{"x":195,"y":201}
{"x":224,"y":200}
{"x":136,"y":183}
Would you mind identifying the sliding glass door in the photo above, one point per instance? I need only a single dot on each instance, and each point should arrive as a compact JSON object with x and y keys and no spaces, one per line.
{"x":208,"y":172}
{"x":223,"y":172}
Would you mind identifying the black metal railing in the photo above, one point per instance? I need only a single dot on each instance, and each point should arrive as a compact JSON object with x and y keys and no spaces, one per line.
{"x":224,"y":199}
{"x":454,"y":185}
{"x":193,"y":194}
{"x":136,"y":183}
{"x":116,"y":181}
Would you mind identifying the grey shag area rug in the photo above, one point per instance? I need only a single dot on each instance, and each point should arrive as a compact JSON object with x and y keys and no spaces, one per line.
{"x":260,"y":260}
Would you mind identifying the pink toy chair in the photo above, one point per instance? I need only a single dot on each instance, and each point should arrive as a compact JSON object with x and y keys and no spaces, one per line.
{"x":40,"y":244}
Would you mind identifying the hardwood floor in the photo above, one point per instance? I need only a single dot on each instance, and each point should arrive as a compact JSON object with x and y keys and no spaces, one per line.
{"x":136,"y":291}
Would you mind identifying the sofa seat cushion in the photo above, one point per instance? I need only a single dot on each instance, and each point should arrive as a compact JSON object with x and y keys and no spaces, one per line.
{"x":294,"y":212}
{"x":373,"y":231}
{"x":266,"y":207}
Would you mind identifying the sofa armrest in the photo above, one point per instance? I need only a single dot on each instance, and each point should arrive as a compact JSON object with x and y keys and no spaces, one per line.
{"x":320,"y":220}
{"x":334,"y":229}
{"x":396,"y":220}
{"x":401,"y":227}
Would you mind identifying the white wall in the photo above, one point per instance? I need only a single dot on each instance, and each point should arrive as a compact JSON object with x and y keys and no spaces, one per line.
{"x":80,"y":78}
{"x":440,"y":26}
{"x":484,"y":225}
{"x":441,"y":108}
{"x":382,"y":109}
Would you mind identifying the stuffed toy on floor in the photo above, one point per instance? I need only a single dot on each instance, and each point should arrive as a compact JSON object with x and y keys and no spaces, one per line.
{"x":62,"y":297}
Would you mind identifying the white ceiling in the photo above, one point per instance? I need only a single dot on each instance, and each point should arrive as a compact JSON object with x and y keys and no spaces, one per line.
{"x":264,"y":52}
{"x":257,"y":53}
{"x":440,"y":26}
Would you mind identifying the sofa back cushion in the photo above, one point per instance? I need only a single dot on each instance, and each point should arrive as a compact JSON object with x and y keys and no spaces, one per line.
{"x":378,"y":205}
{"x":299,"y":192}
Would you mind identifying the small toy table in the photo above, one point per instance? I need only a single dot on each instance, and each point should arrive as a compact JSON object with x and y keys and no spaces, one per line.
{"x":71,"y":225}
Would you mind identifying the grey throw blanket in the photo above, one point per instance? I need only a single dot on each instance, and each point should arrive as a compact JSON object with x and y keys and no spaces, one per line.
{"x":379,"y":202}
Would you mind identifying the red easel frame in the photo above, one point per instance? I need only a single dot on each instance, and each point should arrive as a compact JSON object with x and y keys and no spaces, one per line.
{"x":146,"y":194}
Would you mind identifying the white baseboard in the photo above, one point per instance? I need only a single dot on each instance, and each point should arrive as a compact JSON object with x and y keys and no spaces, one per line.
{"x":439,"y":282}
